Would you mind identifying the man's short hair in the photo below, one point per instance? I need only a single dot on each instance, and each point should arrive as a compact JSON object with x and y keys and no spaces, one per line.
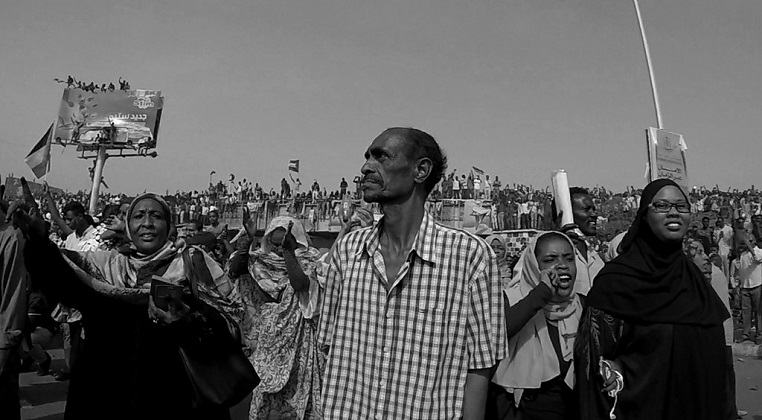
{"x":423,"y":145}
{"x":572,"y":192}
{"x":75,"y":207}
{"x":578,"y":191}
{"x":198,"y":224}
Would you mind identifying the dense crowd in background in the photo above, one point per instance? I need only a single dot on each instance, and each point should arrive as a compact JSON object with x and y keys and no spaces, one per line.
{"x":512,"y":206}
{"x":453,"y":324}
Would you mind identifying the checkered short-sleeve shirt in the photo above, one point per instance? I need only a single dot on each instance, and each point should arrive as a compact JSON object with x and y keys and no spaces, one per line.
{"x":405,"y":353}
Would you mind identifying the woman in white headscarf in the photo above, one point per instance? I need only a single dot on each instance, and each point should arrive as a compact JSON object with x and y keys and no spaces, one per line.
{"x":536,"y":380}
{"x":280,"y":292}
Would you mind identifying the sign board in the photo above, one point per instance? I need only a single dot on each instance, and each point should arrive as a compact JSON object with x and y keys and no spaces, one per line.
{"x":666,"y":157}
{"x":119,"y":119}
{"x":13,"y":188}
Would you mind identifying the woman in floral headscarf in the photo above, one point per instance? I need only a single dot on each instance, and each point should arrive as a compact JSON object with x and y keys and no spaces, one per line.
{"x":500,"y":246}
{"x":124,"y":326}
{"x":280,"y":292}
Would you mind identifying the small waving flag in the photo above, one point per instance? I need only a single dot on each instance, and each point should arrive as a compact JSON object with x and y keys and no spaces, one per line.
{"x":478,"y":171}
{"x":293,"y":165}
{"x":39,"y":158}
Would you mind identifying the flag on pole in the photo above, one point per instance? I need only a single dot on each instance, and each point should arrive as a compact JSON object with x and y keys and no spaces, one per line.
{"x":39,"y":158}
{"x":477,"y":171}
{"x":293,"y":165}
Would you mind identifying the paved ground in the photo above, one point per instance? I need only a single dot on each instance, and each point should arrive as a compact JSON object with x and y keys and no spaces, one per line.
{"x":749,"y":386}
{"x":44,"y":398}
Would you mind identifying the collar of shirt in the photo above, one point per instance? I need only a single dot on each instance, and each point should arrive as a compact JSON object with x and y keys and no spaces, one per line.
{"x":423,"y":245}
{"x":84,"y":233}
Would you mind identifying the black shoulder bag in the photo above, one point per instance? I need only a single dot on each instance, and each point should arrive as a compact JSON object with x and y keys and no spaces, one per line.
{"x":219,"y":373}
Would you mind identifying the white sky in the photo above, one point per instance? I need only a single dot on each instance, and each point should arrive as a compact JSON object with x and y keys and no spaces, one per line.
{"x":517,"y":88}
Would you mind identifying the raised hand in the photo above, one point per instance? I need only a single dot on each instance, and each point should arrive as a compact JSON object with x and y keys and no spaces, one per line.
{"x":568,"y":229}
{"x":550,"y":278}
{"x":25,"y":214}
{"x":289,"y":241}
{"x":249,"y":224}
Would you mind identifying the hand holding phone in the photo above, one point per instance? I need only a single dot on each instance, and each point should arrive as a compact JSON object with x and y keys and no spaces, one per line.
{"x":163,"y":292}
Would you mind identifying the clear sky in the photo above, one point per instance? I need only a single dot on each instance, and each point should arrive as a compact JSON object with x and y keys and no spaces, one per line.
{"x":516,"y":87}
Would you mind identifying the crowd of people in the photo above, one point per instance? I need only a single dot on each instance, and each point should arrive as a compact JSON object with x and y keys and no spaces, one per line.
{"x":403,"y":316}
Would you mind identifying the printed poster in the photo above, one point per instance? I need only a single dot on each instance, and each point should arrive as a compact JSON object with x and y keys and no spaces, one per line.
{"x":666,"y":157}
{"x":120,"y":119}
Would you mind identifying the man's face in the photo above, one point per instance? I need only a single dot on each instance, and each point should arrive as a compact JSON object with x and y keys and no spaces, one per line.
{"x":705,"y":223}
{"x":214,"y":217}
{"x":74,"y":221}
{"x":720,"y":223}
{"x":389,"y":172}
{"x":584,"y":213}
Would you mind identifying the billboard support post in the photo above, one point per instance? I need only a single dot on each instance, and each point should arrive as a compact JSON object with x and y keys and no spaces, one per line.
{"x":97,"y":175}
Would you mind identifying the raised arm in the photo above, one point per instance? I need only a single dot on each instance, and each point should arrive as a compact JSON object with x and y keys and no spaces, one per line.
{"x":56,"y":215}
{"x":299,"y":280}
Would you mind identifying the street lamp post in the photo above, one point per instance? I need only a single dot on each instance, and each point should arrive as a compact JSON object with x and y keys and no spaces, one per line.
{"x":650,"y":66}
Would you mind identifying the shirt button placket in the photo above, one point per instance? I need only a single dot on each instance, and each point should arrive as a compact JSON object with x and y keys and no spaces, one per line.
{"x":384,"y":354}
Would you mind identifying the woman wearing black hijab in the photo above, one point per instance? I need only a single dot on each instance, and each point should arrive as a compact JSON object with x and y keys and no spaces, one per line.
{"x":652,"y":328}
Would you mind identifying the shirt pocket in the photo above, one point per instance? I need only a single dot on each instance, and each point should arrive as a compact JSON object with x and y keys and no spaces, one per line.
{"x":430,"y":333}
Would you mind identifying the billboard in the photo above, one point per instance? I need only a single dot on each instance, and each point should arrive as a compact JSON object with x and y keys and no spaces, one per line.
{"x":118,"y":119}
{"x":666,"y":157}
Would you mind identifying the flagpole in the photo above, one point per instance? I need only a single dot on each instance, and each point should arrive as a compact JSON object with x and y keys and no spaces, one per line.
{"x":650,"y":66}
{"x":97,"y":174}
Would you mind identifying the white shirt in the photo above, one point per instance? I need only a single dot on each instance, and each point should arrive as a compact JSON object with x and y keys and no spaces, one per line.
{"x":726,"y":242}
{"x":586,"y":270}
{"x":524,"y":208}
{"x":749,"y":268}
{"x":87,"y":242}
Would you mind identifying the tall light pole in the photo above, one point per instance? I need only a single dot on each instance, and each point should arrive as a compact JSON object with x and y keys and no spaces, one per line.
{"x":650,"y":66}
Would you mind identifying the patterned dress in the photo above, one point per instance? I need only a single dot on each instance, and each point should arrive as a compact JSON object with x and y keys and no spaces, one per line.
{"x":279,"y":328}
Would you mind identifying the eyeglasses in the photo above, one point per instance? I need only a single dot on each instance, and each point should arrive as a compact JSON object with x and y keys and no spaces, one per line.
{"x":666,"y":206}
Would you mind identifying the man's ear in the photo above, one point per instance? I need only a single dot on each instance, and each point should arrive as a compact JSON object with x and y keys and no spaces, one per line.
{"x":423,"y":169}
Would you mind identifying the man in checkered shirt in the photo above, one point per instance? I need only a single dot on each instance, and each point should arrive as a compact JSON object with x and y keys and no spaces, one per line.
{"x":413,"y":316}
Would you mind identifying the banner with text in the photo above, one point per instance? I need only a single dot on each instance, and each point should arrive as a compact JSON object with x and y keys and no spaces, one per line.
{"x":119,"y":119}
{"x":666,"y":157}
